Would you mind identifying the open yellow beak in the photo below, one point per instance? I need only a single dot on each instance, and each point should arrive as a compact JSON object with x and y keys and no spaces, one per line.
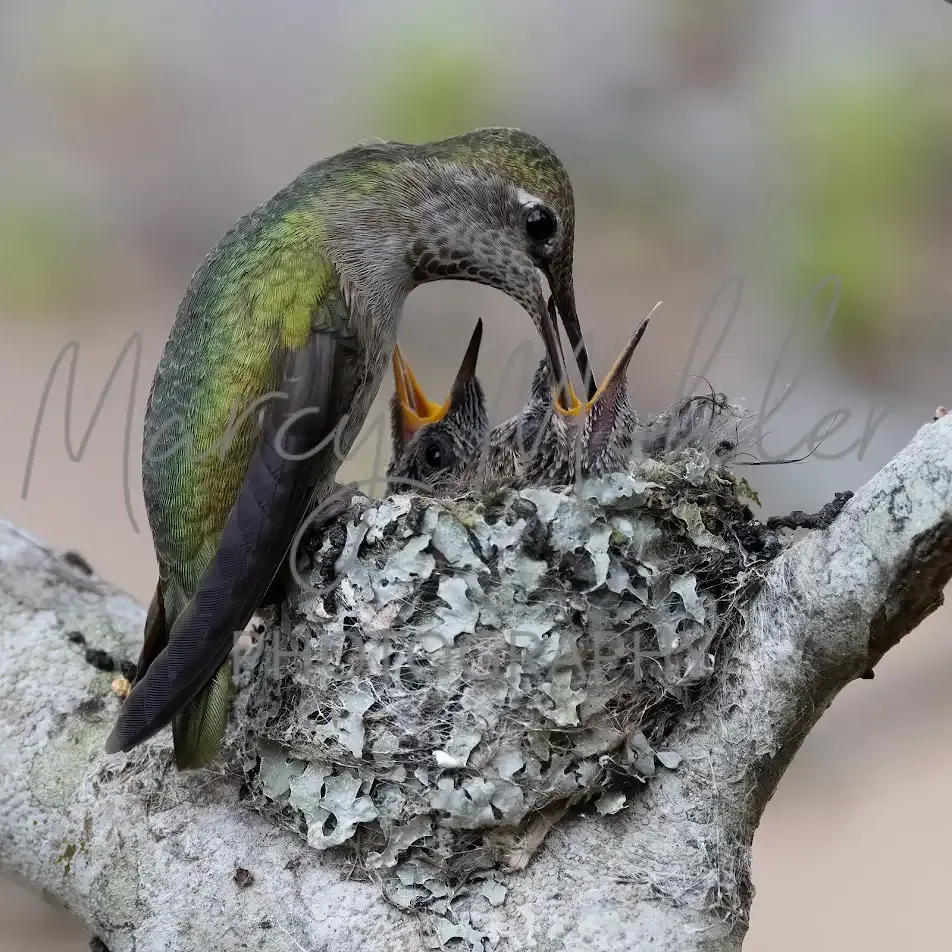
{"x":614,"y":377}
{"x":415,"y":409}
{"x":576,"y":407}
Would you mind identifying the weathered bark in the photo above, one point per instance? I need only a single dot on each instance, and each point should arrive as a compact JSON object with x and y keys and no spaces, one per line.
{"x":148,"y":859}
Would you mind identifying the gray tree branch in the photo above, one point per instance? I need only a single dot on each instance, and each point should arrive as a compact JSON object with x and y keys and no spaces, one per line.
{"x":151,"y":859}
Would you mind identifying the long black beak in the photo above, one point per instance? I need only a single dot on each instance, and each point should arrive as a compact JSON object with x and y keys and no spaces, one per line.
{"x":563,"y":293}
{"x":553,"y":351}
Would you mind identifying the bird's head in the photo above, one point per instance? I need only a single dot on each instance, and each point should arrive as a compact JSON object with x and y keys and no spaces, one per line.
{"x":432,"y":441}
{"x":496,"y":207}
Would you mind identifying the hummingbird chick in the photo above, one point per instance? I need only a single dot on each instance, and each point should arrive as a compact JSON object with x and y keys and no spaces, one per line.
{"x":277,"y":352}
{"x":450,"y":448}
{"x":708,"y":421}
{"x":431,"y":443}
{"x":549,"y":444}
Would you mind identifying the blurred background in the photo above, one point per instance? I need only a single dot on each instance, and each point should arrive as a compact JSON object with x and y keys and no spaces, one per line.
{"x":777,"y":142}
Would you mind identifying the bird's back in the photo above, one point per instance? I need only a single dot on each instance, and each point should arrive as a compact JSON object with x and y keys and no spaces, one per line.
{"x":252,"y":297}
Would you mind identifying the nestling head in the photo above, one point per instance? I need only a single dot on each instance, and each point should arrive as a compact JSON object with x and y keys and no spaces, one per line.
{"x":432,"y":442}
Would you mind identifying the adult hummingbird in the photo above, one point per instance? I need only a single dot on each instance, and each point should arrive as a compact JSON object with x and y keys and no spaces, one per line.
{"x":276,"y":354}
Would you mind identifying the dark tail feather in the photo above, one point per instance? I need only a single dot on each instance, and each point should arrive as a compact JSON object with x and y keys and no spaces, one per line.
{"x":270,"y":506}
{"x":156,"y":632}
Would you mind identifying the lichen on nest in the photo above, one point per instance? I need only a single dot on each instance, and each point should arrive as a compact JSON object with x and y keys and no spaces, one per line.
{"x":474,"y":666}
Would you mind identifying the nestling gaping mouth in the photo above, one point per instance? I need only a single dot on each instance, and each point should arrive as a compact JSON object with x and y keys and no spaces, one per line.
{"x":416,"y":409}
{"x":613,"y":379}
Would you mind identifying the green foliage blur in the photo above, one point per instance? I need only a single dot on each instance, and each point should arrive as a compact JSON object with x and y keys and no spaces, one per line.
{"x":859,"y":158}
{"x":431,"y":83}
{"x":49,"y":254}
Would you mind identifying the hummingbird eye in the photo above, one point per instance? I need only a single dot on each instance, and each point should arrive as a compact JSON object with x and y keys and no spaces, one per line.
{"x":433,"y":456}
{"x":540,"y":224}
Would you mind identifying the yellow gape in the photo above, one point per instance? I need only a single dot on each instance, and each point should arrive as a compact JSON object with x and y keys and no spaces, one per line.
{"x":579,"y":409}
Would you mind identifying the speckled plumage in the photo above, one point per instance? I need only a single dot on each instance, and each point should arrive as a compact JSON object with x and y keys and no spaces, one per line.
{"x":282,"y":340}
{"x":705,"y":421}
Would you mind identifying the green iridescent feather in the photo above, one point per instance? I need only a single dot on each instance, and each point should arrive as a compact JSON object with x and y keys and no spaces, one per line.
{"x":254,"y":297}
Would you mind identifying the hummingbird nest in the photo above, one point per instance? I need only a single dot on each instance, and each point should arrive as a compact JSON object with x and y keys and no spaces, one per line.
{"x":469,"y":669}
